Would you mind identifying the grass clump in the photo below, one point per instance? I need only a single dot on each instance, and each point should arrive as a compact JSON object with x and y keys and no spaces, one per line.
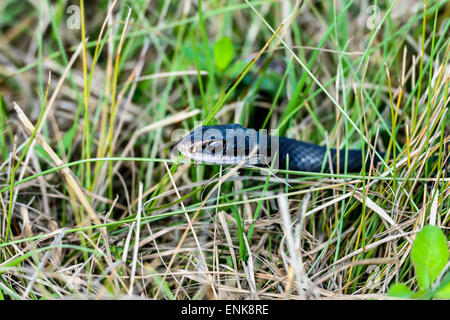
{"x":94,"y":203}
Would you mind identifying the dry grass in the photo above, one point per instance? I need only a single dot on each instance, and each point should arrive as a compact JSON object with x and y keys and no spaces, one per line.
{"x":94,"y":204}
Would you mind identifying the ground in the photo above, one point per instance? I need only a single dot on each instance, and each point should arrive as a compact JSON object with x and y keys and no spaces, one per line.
{"x":96,"y":202}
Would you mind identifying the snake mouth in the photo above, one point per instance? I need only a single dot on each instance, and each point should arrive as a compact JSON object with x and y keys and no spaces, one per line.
{"x":197,"y":153}
{"x":226,"y":144}
{"x":215,"y":152}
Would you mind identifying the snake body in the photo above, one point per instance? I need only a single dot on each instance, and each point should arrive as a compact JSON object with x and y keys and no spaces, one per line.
{"x":309,"y":157}
{"x":234,"y":144}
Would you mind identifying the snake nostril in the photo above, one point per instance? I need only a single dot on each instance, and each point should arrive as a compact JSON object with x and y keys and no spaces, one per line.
{"x":193,"y":149}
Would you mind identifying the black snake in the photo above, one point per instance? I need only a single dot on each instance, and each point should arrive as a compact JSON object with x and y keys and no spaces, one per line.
{"x":234,"y":144}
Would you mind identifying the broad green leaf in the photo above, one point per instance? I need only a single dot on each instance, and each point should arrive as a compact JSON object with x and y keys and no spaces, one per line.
{"x":189,"y":54}
{"x":400,"y":290}
{"x":223,"y":53}
{"x":443,"y":290}
{"x":429,"y":255}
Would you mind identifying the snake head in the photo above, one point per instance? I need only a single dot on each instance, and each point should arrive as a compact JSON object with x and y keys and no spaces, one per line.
{"x":222,"y":144}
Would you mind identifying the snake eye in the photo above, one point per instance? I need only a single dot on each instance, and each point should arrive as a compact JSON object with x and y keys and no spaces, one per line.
{"x":193,"y":149}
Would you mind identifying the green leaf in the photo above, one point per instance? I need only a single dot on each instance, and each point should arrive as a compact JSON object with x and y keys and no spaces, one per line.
{"x":443,"y":290}
{"x":223,"y":53}
{"x":400,"y":290}
{"x":429,"y":255}
{"x":189,"y":54}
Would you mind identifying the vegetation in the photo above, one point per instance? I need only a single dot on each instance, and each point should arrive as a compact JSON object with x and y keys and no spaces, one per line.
{"x":96,"y":203}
